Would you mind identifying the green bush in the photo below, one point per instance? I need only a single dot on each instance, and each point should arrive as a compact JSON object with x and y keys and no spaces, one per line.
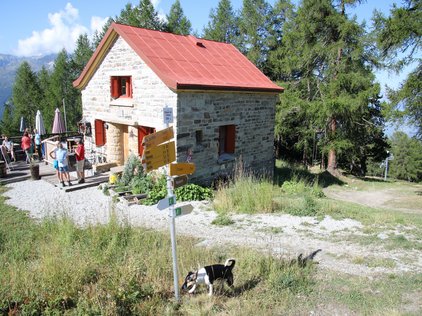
{"x":157,"y":192}
{"x":193,"y":192}
{"x":133,"y":167}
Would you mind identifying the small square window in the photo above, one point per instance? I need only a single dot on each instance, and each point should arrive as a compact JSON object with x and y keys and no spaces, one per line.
{"x":121,"y":87}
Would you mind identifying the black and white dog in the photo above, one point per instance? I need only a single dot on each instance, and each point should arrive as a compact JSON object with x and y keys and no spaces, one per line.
{"x":208,"y":274}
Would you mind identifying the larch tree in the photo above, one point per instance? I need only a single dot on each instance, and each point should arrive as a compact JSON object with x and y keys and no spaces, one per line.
{"x":26,"y":95}
{"x":399,"y":38}
{"x":44,"y":82}
{"x":222,"y":25}
{"x":143,"y":15}
{"x":61,"y":92}
{"x":330,"y":86}
{"x":254,"y":30}
{"x":177,"y":22}
{"x":81,"y":55}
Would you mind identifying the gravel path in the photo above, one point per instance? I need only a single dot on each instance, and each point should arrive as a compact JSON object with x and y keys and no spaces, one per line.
{"x":283,"y":235}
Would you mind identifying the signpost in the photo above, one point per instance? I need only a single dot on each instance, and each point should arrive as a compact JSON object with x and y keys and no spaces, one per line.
{"x":183,"y":210}
{"x":166,"y":202}
{"x":159,"y":156}
{"x":168,"y":115}
{"x":179,"y":169}
{"x":159,"y":150}
{"x":179,"y":181}
{"x":157,"y":138}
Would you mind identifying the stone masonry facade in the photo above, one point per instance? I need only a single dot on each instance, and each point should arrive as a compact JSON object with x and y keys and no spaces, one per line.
{"x":202,"y":113}
{"x":197,"y":117}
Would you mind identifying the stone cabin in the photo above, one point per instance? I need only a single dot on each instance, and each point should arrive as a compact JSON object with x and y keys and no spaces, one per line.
{"x":223,"y":106}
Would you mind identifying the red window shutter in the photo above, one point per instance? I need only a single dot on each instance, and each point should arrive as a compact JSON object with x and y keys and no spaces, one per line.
{"x":230,"y":139}
{"x":129,"y":87}
{"x":142,"y":132}
{"x":100,"y":135}
{"x":115,"y":87}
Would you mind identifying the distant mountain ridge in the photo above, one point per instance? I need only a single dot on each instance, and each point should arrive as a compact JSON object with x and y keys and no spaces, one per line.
{"x":9,"y":64}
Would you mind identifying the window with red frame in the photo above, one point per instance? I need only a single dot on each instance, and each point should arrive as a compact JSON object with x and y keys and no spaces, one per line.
{"x":121,"y":87}
{"x":227,"y":139}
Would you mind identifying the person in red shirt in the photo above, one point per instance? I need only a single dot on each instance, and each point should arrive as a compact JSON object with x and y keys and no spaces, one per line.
{"x":26,"y":146}
{"x":80,"y":160}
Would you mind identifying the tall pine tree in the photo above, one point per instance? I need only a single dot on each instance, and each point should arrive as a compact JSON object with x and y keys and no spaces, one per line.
{"x":143,"y":15}
{"x":223,"y":24}
{"x":399,"y":40}
{"x":177,"y":22}
{"x":327,"y":66}
{"x":254,"y":27}
{"x":26,"y":95}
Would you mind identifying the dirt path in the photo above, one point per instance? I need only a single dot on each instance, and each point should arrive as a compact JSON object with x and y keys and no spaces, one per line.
{"x":283,"y":235}
{"x":392,"y":199}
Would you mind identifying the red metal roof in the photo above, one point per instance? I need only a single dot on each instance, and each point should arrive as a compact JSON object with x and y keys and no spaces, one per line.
{"x":185,"y":62}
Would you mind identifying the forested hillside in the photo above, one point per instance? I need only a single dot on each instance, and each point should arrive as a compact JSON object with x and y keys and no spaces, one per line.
{"x":331,"y":113}
{"x":9,"y":64}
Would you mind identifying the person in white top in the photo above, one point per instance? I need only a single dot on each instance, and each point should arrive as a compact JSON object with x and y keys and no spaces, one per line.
{"x":8,"y":145}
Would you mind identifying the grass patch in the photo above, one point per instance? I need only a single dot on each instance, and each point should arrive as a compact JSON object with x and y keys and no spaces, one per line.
{"x":374,"y":262}
{"x":222,"y":220}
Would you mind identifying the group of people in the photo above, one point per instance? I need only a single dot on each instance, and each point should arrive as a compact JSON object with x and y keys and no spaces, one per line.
{"x":61,"y":164}
{"x":28,"y":143}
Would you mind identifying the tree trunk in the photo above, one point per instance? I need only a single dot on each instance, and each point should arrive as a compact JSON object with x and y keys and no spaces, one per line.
{"x":332,"y":157}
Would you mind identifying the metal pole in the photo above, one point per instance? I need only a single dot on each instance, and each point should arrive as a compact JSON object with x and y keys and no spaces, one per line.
{"x":386,"y":169}
{"x":64,"y":112}
{"x":172,"y":217}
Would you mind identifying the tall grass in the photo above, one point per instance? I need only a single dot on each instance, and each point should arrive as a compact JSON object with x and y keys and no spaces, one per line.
{"x":249,"y":194}
{"x":55,"y":267}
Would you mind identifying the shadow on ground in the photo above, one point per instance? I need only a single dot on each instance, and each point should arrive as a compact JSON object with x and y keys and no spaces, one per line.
{"x":287,"y":173}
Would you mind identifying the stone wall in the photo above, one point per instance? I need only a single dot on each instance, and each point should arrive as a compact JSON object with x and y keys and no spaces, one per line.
{"x":201,"y":114}
{"x":114,"y":136}
{"x":150,"y":95}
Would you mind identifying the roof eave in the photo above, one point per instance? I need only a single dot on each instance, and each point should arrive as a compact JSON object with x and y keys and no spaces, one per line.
{"x":182,"y":86}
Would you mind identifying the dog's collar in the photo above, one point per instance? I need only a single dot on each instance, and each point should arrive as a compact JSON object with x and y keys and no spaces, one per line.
{"x":200,"y":275}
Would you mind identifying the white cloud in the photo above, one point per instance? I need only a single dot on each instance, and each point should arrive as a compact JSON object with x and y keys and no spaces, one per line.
{"x":63,"y":33}
{"x":155,"y":3}
{"x":97,"y":23}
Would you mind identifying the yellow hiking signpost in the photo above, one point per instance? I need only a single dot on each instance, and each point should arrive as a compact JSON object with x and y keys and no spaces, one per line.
{"x":157,"y":138}
{"x":159,"y":156}
{"x":179,"y":169}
